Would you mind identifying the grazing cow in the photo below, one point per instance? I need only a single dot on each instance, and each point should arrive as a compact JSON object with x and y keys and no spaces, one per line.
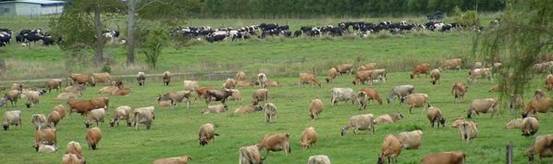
{"x":344,"y":68}
{"x":454,"y":63}
{"x":275,"y":142}
{"x":362,"y":100}
{"x":262,"y":80}
{"x":530,"y":126}
{"x":143,"y":115}
{"x":202,"y":92}
{"x":416,"y":100}
{"x":102,"y":77}
{"x":207,"y":134}
{"x":309,"y":78}
{"x":435,"y":116}
{"x":318,"y":159}
{"x":270,"y":112}
{"x":388,"y":118}
{"x":420,"y":69}
{"x":53,"y":118}
{"x":458,"y":90}
{"x":260,"y":95}
{"x":332,"y":73}
{"x":45,"y":136}
{"x":93,"y":137}
{"x":31,"y":97}
{"x":83,"y":79}
{"x":543,"y":147}
{"x":54,"y":84}
{"x":12,"y":96}
{"x":73,"y":154}
{"x":308,"y":137}
{"x":410,"y":140}
{"x":363,"y":76}
{"x":487,"y":105}
{"x":372,"y":94}
{"x":176,"y":97}
{"x":315,"y":108}
{"x":250,"y":155}
{"x":95,"y":115}
{"x":540,"y":103}
{"x":379,"y":74}
{"x":342,"y":94}
{"x":166,"y":78}
{"x":400,"y":92}
{"x":60,"y":109}
{"x":141,"y":78}
{"x":121,"y":113}
{"x":454,"y":157}
{"x":478,"y":73}
{"x":434,"y":76}
{"x":359,"y":122}
{"x":72,"y":159}
{"x":217,"y":95}
{"x":11,"y":118}
{"x":468,"y":130}
{"x":39,"y":121}
{"x":391,"y":148}
{"x":173,"y":160}
{"x":80,"y":106}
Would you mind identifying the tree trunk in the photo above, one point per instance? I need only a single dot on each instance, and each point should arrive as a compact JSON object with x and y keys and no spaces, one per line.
{"x":131,"y":21}
{"x":99,"y":48}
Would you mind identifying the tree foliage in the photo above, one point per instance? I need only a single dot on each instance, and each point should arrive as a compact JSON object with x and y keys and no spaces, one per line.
{"x":156,"y":39}
{"x":521,"y":39}
{"x":80,"y":25}
{"x":333,"y":8}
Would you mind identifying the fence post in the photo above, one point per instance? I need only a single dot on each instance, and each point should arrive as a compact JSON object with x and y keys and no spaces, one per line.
{"x":510,"y":153}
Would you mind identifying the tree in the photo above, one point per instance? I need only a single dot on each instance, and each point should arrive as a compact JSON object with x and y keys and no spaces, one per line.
{"x":156,"y":38}
{"x":522,"y":38}
{"x":80,"y":25}
{"x":161,"y":10}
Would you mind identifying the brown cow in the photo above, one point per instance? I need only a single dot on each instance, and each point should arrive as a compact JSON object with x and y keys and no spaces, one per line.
{"x":309,"y":78}
{"x":420,"y":69}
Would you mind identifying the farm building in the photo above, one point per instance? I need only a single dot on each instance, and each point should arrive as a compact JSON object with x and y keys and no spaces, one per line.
{"x":30,"y":7}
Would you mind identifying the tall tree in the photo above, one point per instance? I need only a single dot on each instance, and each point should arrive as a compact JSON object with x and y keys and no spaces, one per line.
{"x":85,"y":16}
{"x":522,"y":38}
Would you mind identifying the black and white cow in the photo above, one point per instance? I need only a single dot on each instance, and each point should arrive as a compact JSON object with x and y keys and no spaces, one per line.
{"x":5,"y":36}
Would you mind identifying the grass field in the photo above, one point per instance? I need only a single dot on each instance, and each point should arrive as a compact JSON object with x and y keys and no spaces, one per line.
{"x":277,"y":56}
{"x":174,"y":131}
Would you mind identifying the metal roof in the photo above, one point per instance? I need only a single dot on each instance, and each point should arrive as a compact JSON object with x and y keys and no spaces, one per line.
{"x":40,"y":2}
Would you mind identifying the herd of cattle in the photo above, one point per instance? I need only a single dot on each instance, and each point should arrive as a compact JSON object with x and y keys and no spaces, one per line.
{"x":94,"y":110}
{"x":27,"y":37}
{"x":262,"y":30}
